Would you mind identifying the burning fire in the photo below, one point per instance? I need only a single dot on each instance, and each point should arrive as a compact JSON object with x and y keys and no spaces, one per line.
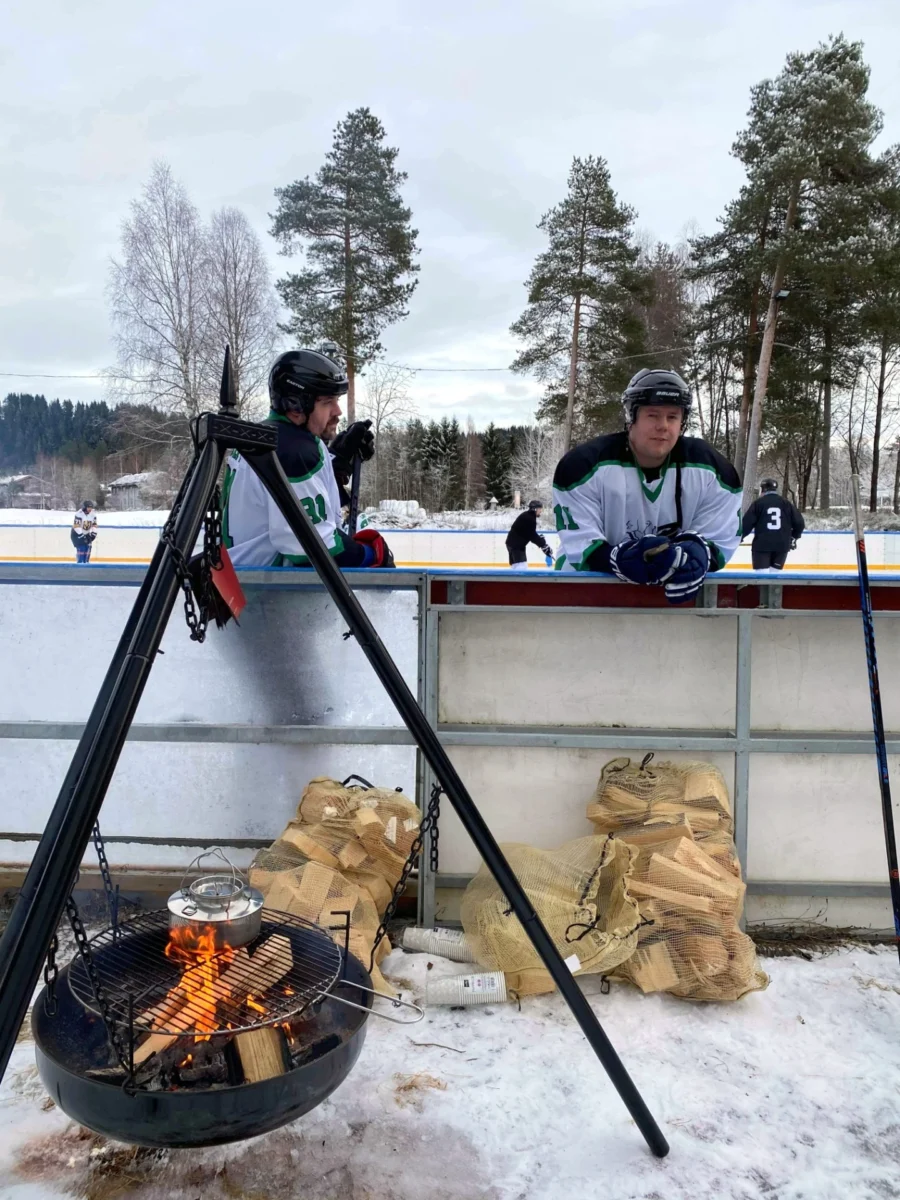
{"x":203,"y":962}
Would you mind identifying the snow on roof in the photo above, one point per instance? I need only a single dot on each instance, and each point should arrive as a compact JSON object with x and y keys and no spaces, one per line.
{"x":137,"y":480}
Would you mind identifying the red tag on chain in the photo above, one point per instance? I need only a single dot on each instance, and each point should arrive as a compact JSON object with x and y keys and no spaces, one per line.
{"x":228,"y":586}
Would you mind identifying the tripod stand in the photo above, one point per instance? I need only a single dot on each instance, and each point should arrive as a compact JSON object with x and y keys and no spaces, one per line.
{"x":56,"y":861}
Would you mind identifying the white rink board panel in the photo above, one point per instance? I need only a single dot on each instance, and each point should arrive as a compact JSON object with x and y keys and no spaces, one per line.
{"x":809,"y":673}
{"x":286,"y":664}
{"x":187,"y":790}
{"x":817,"y":817}
{"x":538,"y":796}
{"x":637,"y":670}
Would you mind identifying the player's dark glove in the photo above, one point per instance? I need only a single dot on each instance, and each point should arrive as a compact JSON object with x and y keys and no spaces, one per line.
{"x":645,"y":560}
{"x":91,"y":536}
{"x":793,"y":543}
{"x":376,"y":547}
{"x":695,"y":559}
{"x":357,"y":439}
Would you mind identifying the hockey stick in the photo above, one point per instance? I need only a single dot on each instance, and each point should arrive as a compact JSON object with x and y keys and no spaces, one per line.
{"x":865,"y":604}
{"x":353,"y":514}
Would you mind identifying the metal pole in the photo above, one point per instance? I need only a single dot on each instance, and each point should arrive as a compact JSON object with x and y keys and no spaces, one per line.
{"x":59,"y":853}
{"x":353,"y":514}
{"x":884,"y":779}
{"x":270,"y":472}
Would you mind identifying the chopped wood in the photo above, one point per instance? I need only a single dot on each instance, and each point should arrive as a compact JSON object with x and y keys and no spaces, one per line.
{"x":691,"y":855}
{"x":639,"y":887}
{"x":352,"y":854}
{"x":367,"y":819}
{"x":270,"y":963}
{"x":658,"y":833}
{"x":666,"y":872}
{"x":261,"y":1052}
{"x":309,"y":847}
{"x":652,"y":969}
{"x":244,"y":976}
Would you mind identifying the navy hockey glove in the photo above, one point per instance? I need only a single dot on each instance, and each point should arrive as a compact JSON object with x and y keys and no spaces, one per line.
{"x":690,"y":571}
{"x":793,"y":543}
{"x":357,"y":439}
{"x":645,"y":560}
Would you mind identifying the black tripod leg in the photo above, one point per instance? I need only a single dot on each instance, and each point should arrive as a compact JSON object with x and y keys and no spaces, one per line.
{"x":270,"y":472}
{"x":61,"y":848}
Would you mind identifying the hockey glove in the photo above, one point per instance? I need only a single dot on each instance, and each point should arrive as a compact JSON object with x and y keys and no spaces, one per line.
{"x":632,"y":563}
{"x":357,"y":439}
{"x":375,"y":546}
{"x":695,"y":559}
{"x":793,"y":543}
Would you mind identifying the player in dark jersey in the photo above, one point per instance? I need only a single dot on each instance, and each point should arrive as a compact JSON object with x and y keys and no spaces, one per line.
{"x":776,"y":524}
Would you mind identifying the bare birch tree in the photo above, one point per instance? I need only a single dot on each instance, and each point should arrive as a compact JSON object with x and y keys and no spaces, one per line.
{"x":537,"y":452}
{"x":157,"y":300}
{"x":387,"y":401}
{"x":241,"y":307}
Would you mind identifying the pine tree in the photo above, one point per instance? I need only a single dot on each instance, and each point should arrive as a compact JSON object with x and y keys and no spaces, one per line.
{"x":580,"y":321}
{"x":806,"y":151}
{"x":359,"y":244}
{"x":497,"y":463}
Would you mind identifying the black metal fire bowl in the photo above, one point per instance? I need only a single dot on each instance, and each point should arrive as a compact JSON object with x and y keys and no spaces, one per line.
{"x":74,"y":1041}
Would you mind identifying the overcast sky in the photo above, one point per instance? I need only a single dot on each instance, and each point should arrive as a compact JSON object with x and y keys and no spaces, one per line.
{"x":488,"y":102}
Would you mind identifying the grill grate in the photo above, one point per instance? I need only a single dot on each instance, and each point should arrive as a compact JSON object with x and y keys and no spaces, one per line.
{"x":132,"y":965}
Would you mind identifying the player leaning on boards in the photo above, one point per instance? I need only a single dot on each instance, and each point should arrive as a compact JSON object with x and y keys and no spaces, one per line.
{"x":84,"y":532}
{"x":305,"y":388}
{"x":648,"y":504}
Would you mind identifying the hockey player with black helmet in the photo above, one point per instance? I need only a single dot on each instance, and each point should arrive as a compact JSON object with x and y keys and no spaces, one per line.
{"x":524,"y":531}
{"x":776,"y":524}
{"x":305,"y":390}
{"x":648,"y":504}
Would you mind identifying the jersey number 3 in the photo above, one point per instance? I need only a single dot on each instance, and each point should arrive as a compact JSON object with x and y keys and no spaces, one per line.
{"x":563,"y":518}
{"x":312,"y":507}
{"x":774,"y":521}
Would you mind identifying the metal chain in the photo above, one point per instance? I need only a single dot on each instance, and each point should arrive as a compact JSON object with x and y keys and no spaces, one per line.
{"x":84,"y":949}
{"x":51,"y":974}
{"x":112,"y":895}
{"x":197,"y":616}
{"x":434,"y":810}
{"x":429,"y":824}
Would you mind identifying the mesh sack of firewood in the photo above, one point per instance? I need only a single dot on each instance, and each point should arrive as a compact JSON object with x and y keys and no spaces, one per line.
{"x":578,"y":891}
{"x":358,"y":838}
{"x":370,"y":830}
{"x":686,"y":878}
{"x":323,"y":895}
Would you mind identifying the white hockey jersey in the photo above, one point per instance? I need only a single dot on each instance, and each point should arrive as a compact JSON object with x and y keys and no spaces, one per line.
{"x":84,"y":523}
{"x":254,"y":529}
{"x":602,"y":497}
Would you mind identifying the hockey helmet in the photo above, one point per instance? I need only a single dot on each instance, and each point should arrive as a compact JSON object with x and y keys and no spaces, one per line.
{"x":533,"y":504}
{"x":768,"y":485}
{"x":86,"y":504}
{"x":656,"y":388}
{"x":297,"y":377}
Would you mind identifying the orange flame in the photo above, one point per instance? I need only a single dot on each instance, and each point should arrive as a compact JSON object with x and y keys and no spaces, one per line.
{"x":195,"y":948}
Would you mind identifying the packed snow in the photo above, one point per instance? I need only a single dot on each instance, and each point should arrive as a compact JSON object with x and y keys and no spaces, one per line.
{"x":789,"y":1094}
{"x":403,"y":514}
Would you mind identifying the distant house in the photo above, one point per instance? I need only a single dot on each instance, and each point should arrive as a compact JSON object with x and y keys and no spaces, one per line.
{"x":27,"y":491}
{"x":146,"y":489}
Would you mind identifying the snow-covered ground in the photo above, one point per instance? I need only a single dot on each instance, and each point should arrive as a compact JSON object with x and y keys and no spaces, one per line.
{"x":499,"y":518}
{"x":790,"y":1094}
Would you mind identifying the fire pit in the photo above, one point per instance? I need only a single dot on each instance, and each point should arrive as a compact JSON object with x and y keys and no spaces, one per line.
{"x":219,"y":1045}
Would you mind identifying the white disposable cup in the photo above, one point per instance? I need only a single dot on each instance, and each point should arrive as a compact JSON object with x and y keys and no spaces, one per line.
{"x":445,"y":943}
{"x":486,"y":988}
